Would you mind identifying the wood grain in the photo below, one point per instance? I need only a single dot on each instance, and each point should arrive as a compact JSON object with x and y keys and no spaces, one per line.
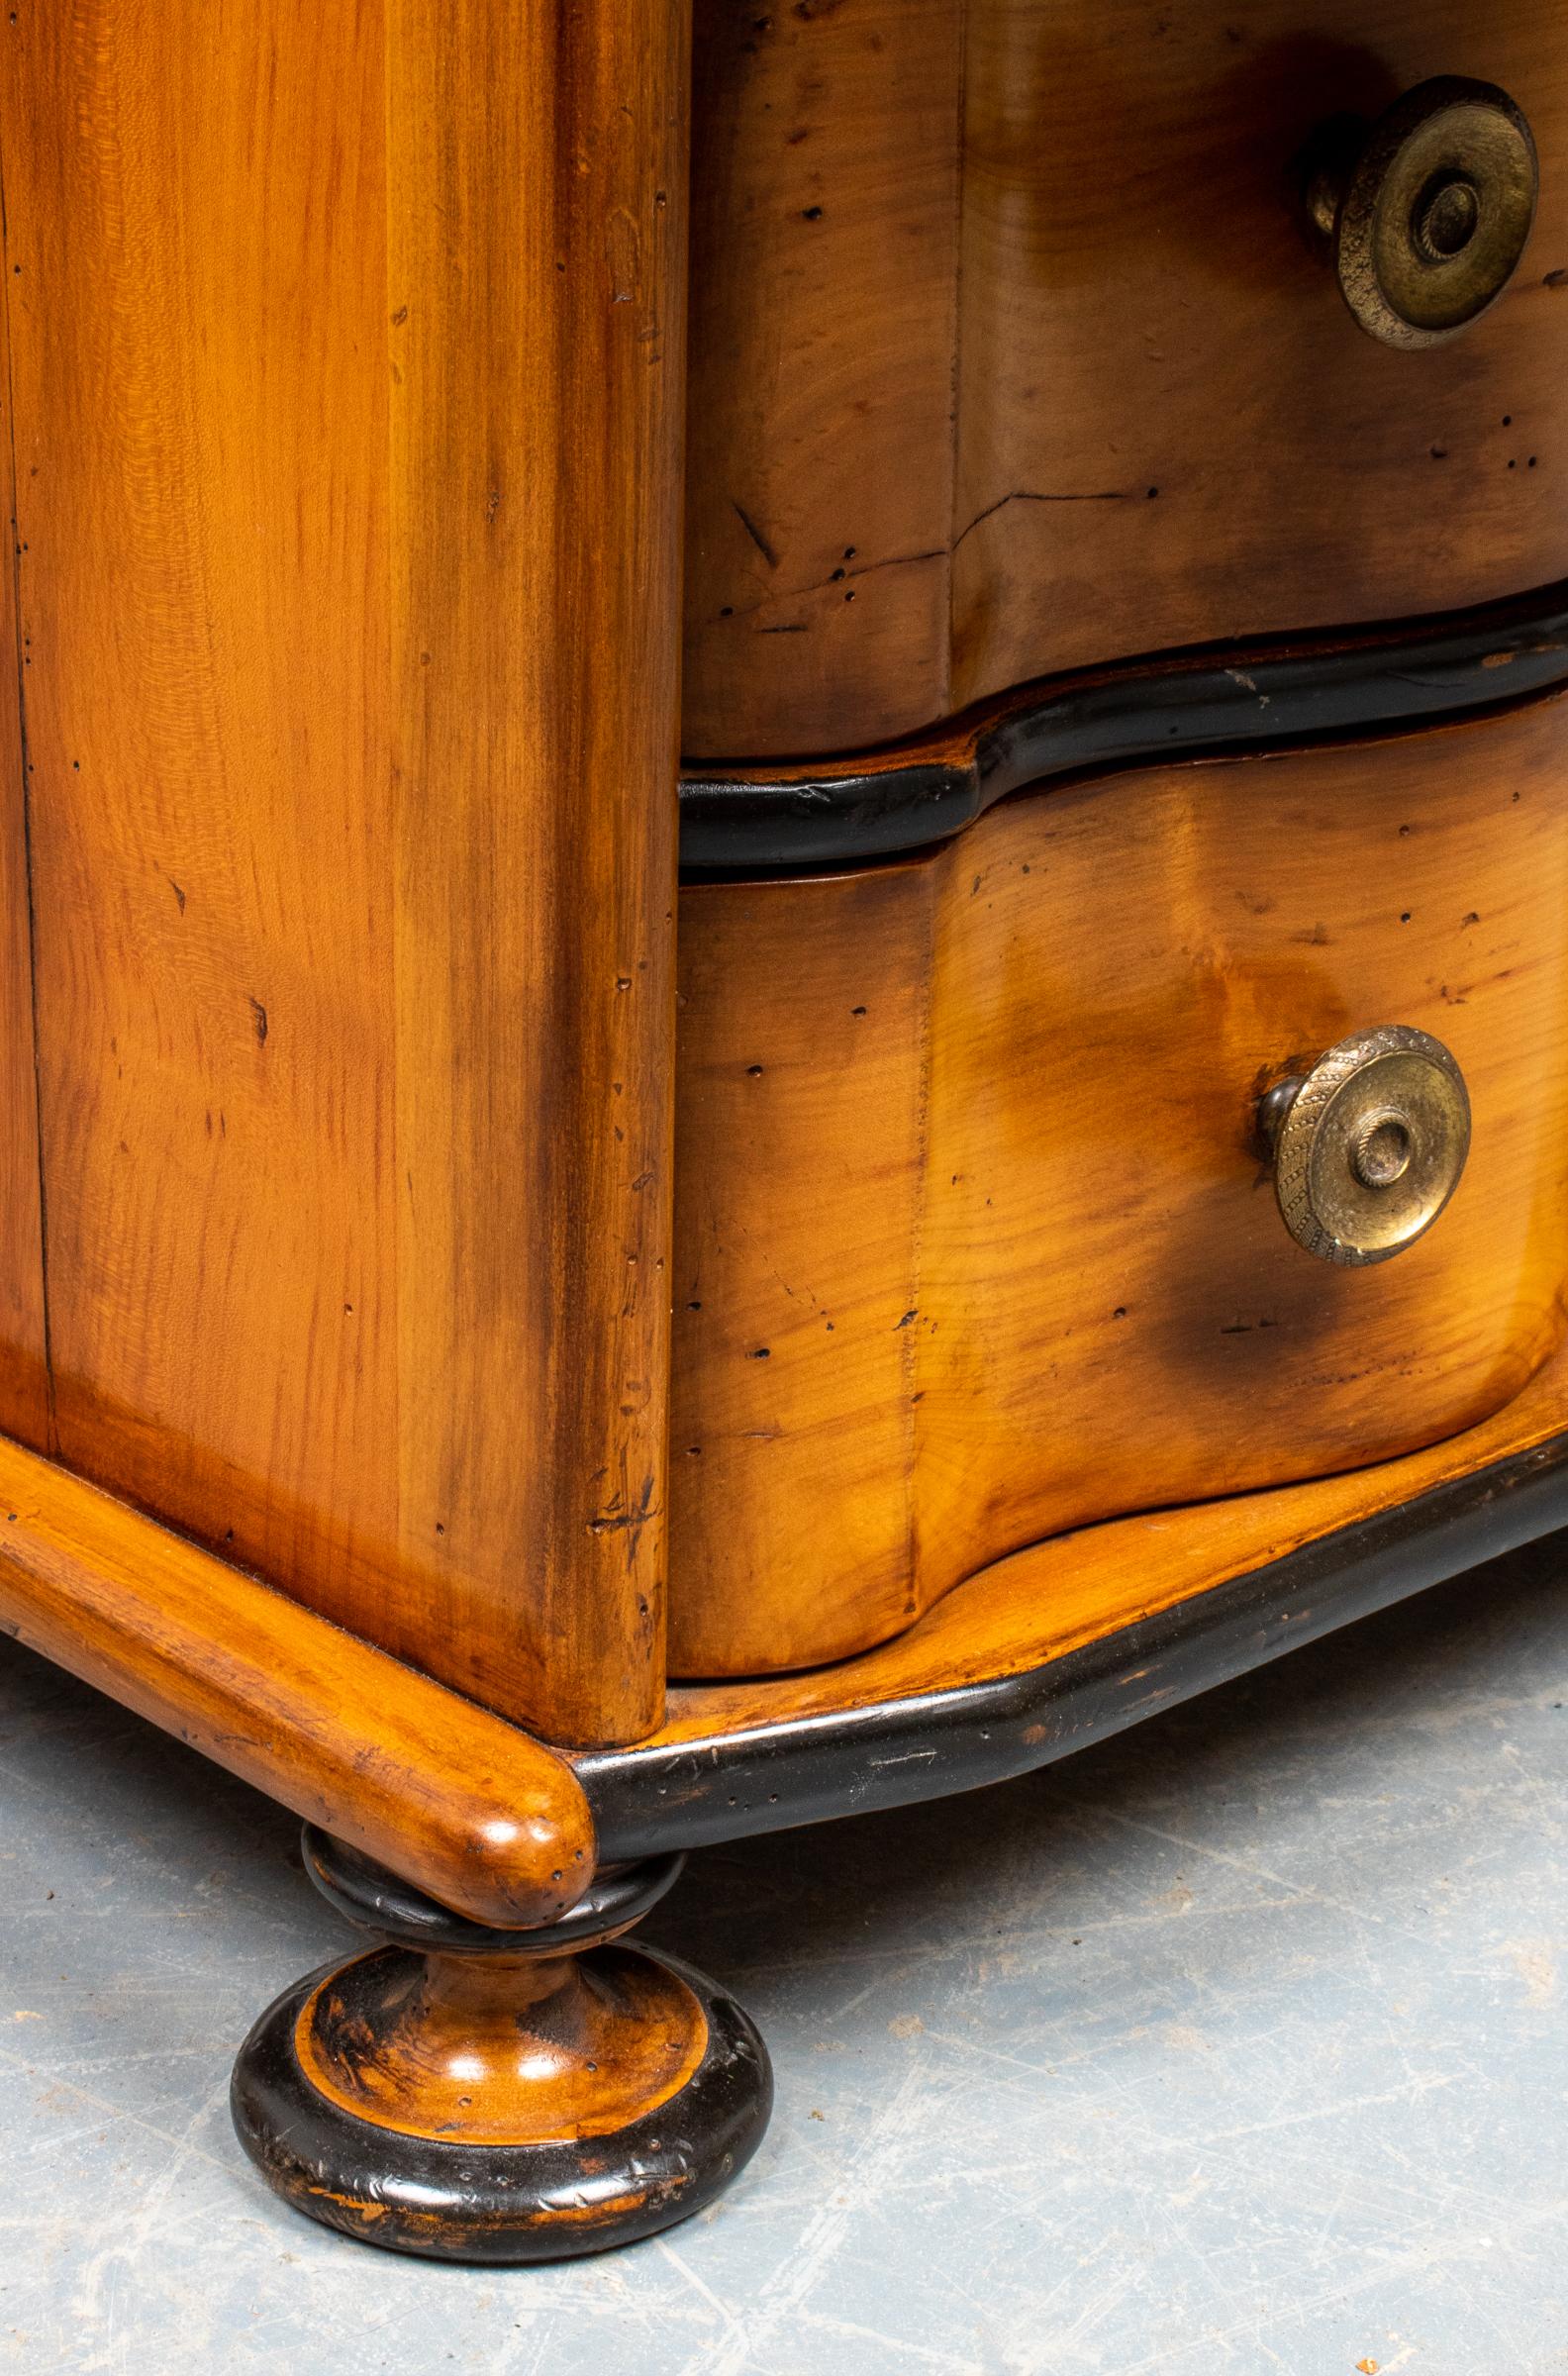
{"x":1019,"y":1613}
{"x":428,"y":2046}
{"x":761,"y":816}
{"x":824,"y":250}
{"x":347,"y":368}
{"x":536,"y":170}
{"x":1165,"y":426}
{"x":199,"y":365}
{"x":1054,"y":1223}
{"x":470,"y":1809}
{"x":476,"y":2096}
{"x":24,"y":1343}
{"x":803,"y":1020}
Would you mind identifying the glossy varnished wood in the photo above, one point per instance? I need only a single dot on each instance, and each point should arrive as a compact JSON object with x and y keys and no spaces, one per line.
{"x":1072,"y":1639}
{"x":427,"y":2048}
{"x":201,"y":423}
{"x":24,"y":1351}
{"x":537,"y":177}
{"x":515,"y":2096}
{"x":926,"y":787}
{"x":804,"y":1036}
{"x":1078,"y":258}
{"x":974,"y":1241}
{"x":348,"y":358}
{"x":825,"y":253}
{"x":486,"y":1820}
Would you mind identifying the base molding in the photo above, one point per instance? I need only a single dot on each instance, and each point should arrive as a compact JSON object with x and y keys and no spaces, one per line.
{"x":1063,"y":1643}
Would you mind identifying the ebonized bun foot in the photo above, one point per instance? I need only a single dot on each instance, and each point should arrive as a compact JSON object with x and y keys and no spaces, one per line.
{"x":483,"y":2095}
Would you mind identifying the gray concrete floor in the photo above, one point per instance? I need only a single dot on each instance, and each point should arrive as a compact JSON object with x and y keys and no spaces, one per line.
{"x":1236,"y":2045}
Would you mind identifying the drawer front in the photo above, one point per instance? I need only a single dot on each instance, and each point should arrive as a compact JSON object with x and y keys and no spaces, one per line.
{"x":974,"y":1239}
{"x":1008,"y":353}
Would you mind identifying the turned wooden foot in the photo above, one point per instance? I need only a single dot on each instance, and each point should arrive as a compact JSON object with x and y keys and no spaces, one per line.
{"x":499,"y":2094}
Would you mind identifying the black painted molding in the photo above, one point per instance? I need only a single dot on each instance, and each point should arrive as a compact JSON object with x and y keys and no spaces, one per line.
{"x":647,"y":1801}
{"x":778,"y":816}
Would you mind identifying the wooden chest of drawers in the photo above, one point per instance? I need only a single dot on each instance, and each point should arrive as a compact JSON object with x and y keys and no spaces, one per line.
{"x":543,"y":1363}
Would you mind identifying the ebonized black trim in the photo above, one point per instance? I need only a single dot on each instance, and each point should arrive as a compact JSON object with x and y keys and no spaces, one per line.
{"x":366,"y":1894}
{"x":440,"y":2199}
{"x":851,"y":1762}
{"x":773,"y":816}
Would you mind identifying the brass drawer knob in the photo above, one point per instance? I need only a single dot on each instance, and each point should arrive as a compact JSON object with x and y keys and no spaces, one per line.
{"x":1368,"y":1146}
{"x":1426,"y":211}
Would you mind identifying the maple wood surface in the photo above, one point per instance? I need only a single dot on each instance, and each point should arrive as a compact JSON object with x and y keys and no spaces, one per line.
{"x":1008,"y":353}
{"x":464,"y":1804}
{"x":974,"y":1239}
{"x":346,"y":358}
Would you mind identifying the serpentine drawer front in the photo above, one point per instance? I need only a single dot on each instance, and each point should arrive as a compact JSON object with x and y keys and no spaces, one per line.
{"x":1016,"y":343}
{"x":979,"y":1233}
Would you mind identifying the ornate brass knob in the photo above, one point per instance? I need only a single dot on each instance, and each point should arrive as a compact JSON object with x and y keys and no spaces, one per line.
{"x":1426,"y":213}
{"x":1368,"y":1146}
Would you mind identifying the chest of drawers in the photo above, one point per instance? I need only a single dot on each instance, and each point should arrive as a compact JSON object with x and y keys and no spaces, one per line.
{"x":782,"y":945}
